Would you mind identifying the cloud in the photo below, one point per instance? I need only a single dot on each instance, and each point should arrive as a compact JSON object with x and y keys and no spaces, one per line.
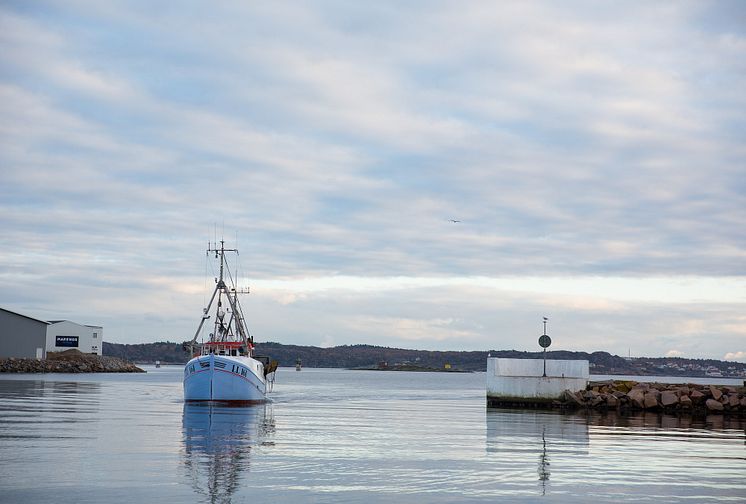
{"x":593,"y":156}
{"x":735,"y":356}
{"x":327,"y":341}
{"x":674,"y":353}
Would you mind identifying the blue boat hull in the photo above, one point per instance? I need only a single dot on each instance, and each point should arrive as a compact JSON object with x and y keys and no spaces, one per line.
{"x":224,"y":378}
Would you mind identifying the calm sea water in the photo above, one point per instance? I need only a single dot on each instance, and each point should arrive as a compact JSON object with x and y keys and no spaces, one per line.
{"x":345,"y":436}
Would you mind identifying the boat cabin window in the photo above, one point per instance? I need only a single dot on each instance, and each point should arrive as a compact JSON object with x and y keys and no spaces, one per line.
{"x":221,"y":350}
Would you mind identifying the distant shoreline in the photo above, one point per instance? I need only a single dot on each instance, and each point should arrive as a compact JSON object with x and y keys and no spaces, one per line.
{"x":371,"y":356}
{"x":419,"y":369}
{"x":670,"y":378}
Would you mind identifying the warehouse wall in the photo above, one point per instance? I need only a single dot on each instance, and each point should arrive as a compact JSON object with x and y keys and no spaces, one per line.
{"x":21,"y":336}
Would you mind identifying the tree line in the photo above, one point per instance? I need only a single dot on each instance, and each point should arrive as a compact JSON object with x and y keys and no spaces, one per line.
{"x":370,"y":356}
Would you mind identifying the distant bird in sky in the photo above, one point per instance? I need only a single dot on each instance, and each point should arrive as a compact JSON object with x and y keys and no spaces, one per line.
{"x":454,"y":220}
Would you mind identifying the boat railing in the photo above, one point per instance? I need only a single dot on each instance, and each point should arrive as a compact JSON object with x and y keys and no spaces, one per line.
{"x":230,"y":348}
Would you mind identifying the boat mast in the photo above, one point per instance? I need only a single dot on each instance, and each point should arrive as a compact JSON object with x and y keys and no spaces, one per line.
{"x":236,"y":315}
{"x":220,"y":289}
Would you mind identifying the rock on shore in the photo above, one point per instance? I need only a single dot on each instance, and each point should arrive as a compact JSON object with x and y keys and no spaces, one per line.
{"x":70,"y":361}
{"x":669,"y":398}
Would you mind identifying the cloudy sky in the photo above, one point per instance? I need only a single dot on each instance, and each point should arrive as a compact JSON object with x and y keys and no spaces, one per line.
{"x":593,"y":153}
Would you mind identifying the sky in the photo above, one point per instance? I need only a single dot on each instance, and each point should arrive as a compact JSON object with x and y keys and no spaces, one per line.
{"x":591,"y":152}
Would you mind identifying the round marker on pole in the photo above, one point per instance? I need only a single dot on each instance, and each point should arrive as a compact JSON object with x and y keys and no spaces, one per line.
{"x":544,"y":342}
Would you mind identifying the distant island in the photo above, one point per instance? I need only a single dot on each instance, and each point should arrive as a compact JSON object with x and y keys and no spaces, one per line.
{"x":378,"y":357}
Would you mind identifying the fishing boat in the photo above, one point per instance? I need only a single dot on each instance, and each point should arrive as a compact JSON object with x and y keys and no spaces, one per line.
{"x":225,"y":368}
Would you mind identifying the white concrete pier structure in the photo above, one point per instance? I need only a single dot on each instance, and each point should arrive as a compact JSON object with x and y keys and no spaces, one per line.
{"x":521,"y":381}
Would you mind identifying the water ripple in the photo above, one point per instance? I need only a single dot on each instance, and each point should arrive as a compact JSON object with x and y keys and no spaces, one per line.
{"x":333,"y":435}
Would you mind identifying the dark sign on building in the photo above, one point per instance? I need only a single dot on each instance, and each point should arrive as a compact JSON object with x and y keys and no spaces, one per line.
{"x":67,"y":341}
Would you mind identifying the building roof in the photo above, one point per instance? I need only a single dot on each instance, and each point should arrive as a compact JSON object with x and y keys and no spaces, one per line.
{"x":70,"y":321}
{"x":49,"y":322}
{"x":25,"y":316}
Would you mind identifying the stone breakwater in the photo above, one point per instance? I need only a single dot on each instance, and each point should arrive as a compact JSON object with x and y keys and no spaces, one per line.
{"x":79,"y":364}
{"x":667,"y":398}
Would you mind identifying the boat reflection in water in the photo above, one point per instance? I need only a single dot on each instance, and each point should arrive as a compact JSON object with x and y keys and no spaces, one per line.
{"x":218,"y":440}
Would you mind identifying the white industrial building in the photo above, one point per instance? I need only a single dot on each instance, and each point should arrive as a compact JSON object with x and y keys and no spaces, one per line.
{"x":63,"y":335}
{"x":24,"y":336}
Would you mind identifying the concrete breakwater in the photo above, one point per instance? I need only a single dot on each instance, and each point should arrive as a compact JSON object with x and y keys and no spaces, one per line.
{"x":668,"y":398}
{"x":532,"y":383}
{"x":68,"y":362}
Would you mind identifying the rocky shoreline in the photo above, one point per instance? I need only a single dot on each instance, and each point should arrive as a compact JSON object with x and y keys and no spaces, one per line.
{"x":68,"y":362}
{"x":661,"y":397}
{"x":631,"y":397}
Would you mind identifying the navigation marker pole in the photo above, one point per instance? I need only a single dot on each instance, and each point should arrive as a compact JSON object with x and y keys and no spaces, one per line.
{"x":544,"y":342}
